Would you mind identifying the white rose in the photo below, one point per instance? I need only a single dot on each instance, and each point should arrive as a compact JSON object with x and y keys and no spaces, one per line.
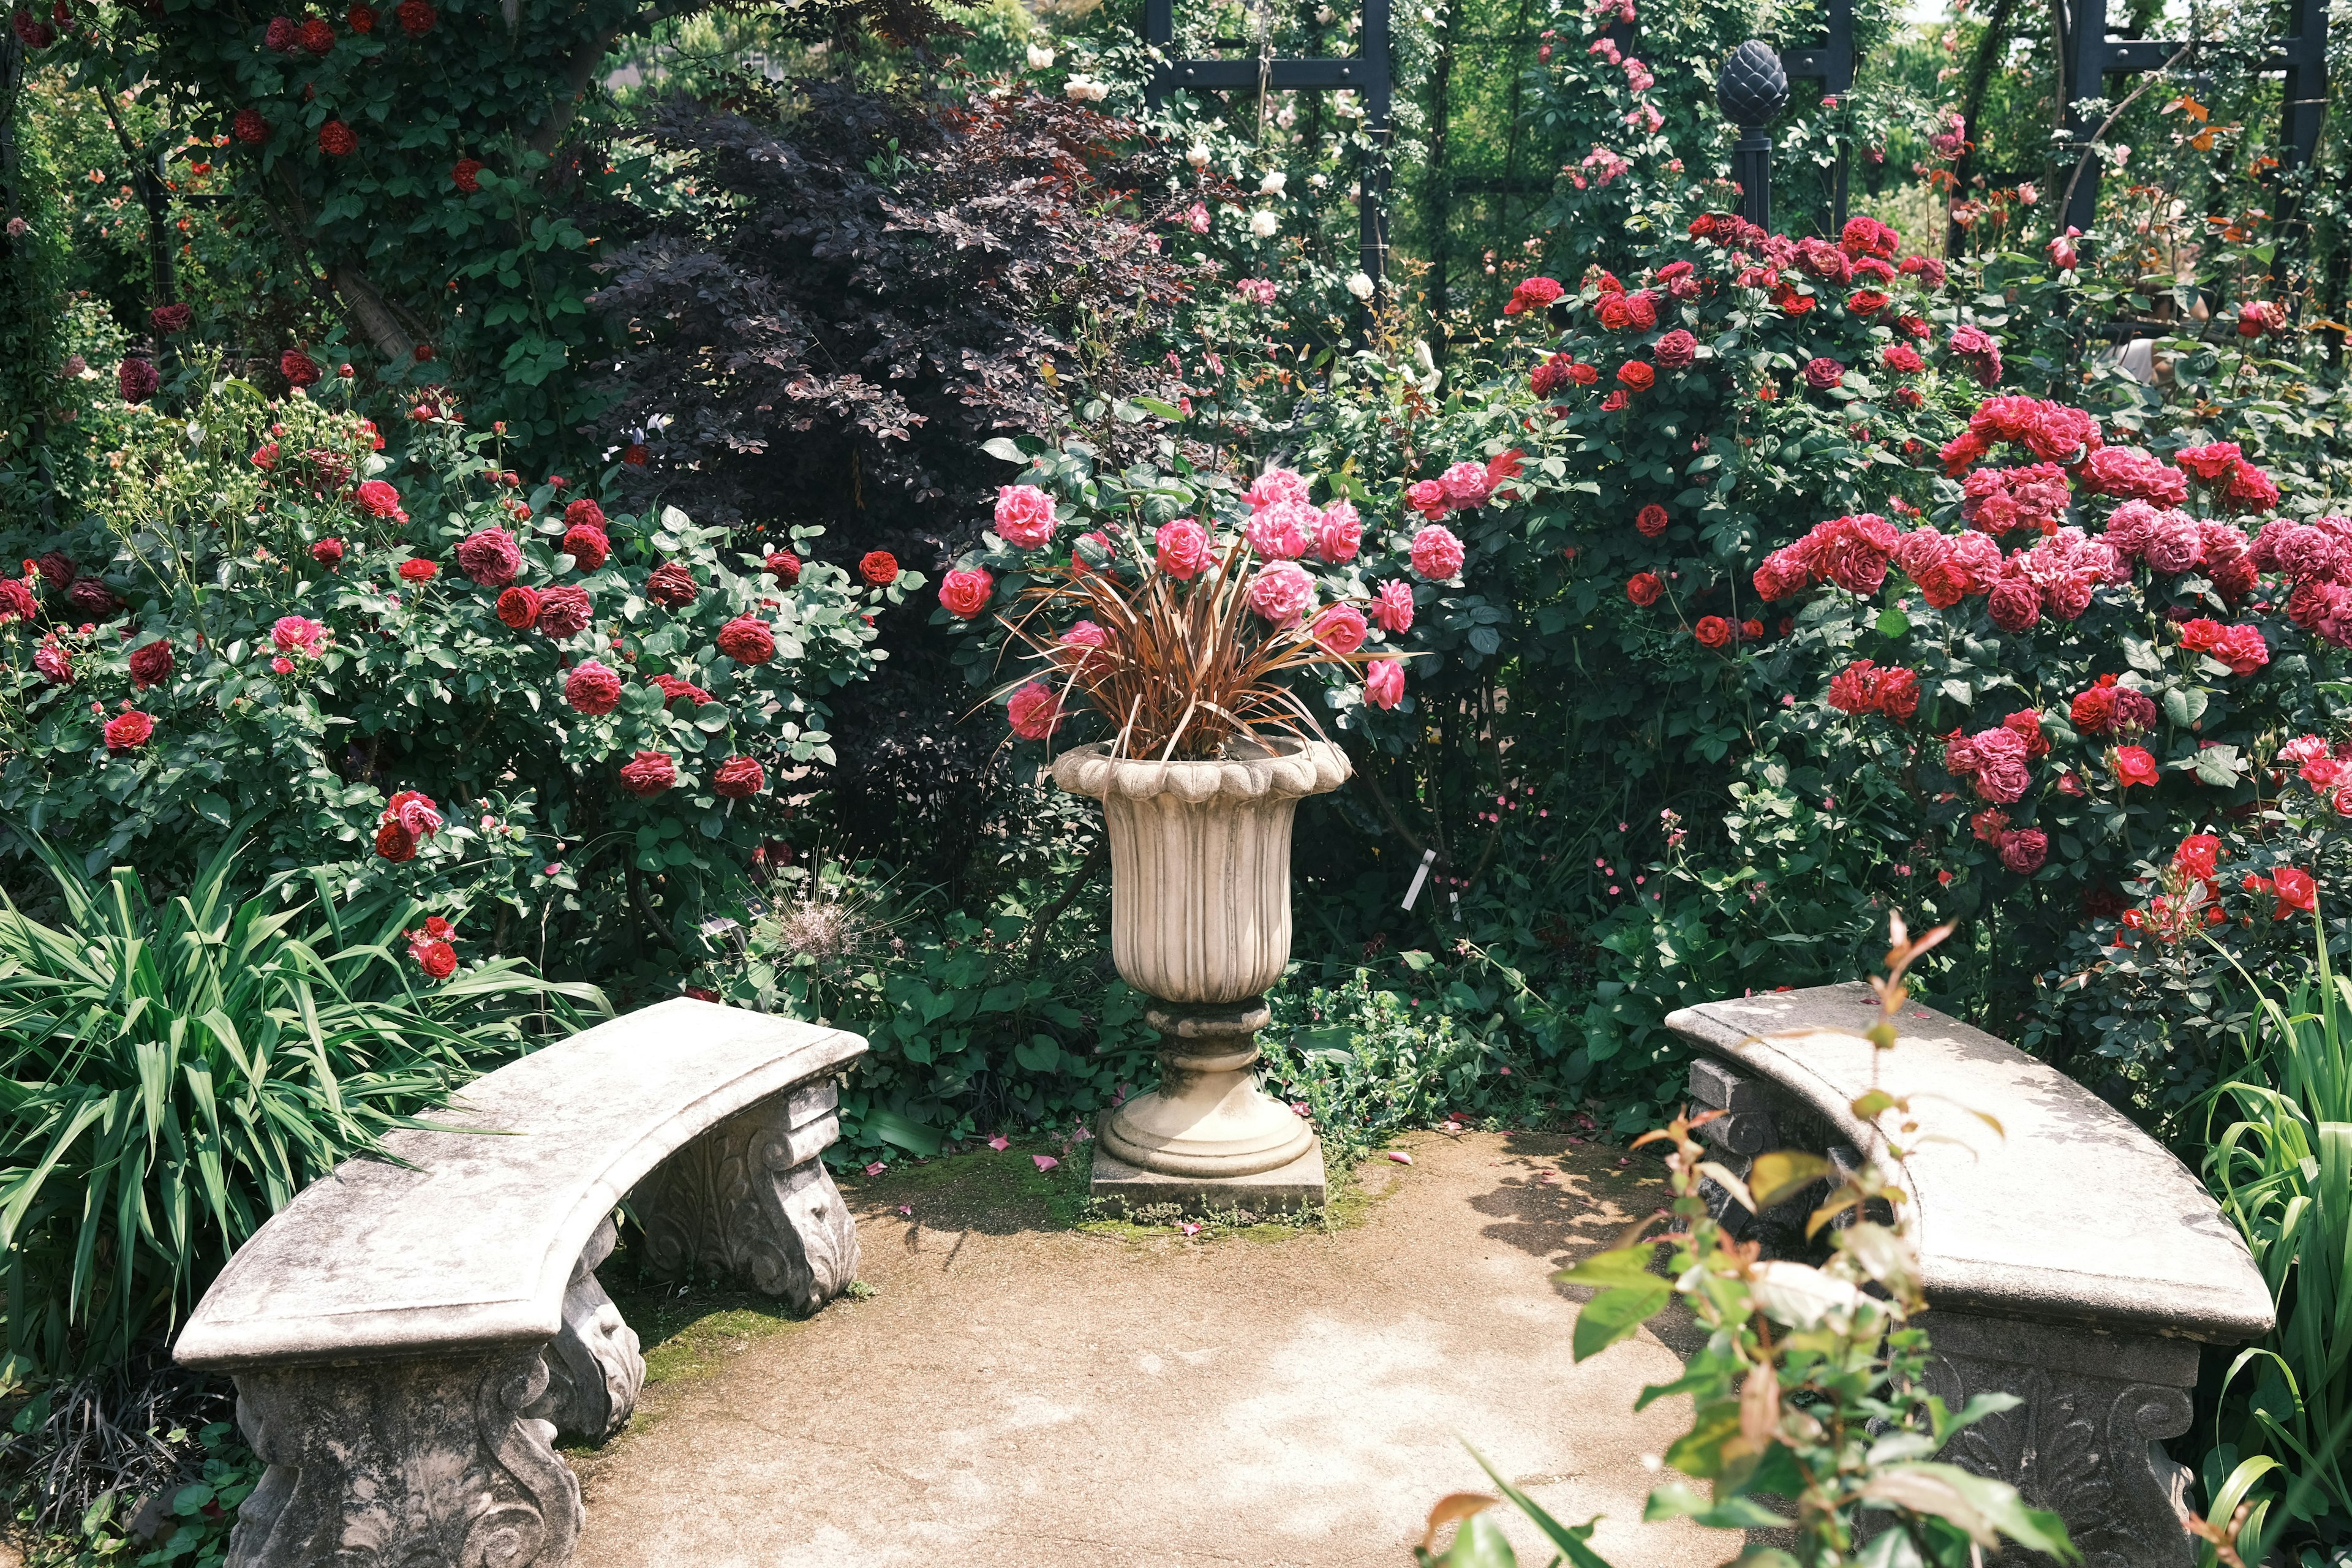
{"x":1264,"y":225}
{"x":1197,"y":155}
{"x":1286,"y":117}
{"x":1271,"y":185}
{"x":1040,"y":57}
{"x":1428,"y":16}
{"x":1319,"y":181}
{"x":1361,"y":286}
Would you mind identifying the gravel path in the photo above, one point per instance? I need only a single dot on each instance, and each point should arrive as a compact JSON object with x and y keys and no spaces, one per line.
{"x":1018,"y":1391}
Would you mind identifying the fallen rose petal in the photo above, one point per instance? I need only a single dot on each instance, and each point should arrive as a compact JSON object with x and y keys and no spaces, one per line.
{"x":877,"y":1168}
{"x":907,"y":1209}
{"x":1044,"y":1162}
{"x":1189,"y":1228}
{"x":1000,"y":1143}
{"x":1300,"y":1106}
{"x":1622,"y":1162}
{"x":1400,"y":1157}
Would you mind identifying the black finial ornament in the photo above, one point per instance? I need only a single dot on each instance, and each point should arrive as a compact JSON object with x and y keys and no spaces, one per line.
{"x":1752,"y":90}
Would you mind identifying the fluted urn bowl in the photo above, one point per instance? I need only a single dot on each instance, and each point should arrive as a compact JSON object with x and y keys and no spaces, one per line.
{"x":1200,"y":922}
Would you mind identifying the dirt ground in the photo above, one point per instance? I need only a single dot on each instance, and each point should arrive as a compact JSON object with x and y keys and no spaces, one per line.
{"x":1021,"y":1387}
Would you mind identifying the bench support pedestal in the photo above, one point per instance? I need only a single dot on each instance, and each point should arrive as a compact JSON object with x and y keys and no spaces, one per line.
{"x":2086,"y":1442}
{"x":405,"y":1462}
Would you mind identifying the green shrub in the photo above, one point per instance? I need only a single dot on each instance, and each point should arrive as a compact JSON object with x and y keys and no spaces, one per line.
{"x":2282,"y":1169}
{"x":1368,"y":1062}
{"x":177,"y":1069}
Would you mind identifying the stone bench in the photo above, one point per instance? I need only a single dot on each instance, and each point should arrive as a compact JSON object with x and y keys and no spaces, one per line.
{"x":408,"y":1339}
{"x":2073,"y":1262}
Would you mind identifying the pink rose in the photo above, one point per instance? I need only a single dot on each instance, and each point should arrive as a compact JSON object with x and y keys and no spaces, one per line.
{"x":491,"y":557}
{"x":1436,"y":554}
{"x":1282,"y":593}
{"x":1392,"y":606}
{"x":1384,"y":683}
{"x":1282,"y":529}
{"x":1183,"y":548}
{"x":1025,"y":516}
{"x":298,"y":634}
{"x":1339,"y":533}
{"x":1277,"y":485}
{"x":1035,"y":712}
{"x":965,"y":591}
{"x":1466,"y":485}
{"x":1340,"y":628}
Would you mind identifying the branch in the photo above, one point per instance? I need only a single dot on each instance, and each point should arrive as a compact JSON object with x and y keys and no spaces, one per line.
{"x":578,"y":73}
{"x":1044,"y":923}
{"x":2090,"y":147}
{"x":368,"y":308}
{"x":1388,"y":814}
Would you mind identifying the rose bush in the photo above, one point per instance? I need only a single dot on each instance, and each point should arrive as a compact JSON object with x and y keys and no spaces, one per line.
{"x":270,"y":622}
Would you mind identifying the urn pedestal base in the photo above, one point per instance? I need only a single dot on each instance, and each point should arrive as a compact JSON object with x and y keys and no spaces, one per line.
{"x":1298,"y":1185}
{"x":1208,"y":1137}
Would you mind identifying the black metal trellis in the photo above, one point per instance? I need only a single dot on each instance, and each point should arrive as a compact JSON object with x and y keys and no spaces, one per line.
{"x":1365,"y":72}
{"x":2089,"y":56}
{"x":1753,"y":90}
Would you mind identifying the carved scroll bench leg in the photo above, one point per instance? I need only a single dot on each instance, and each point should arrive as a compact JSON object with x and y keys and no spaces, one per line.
{"x":752,"y":1197}
{"x":593,"y":1369}
{"x":2085,"y":1442}
{"x":418,"y":1463}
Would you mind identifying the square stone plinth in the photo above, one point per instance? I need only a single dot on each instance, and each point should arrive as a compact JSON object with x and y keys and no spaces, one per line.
{"x":1284,"y":1189}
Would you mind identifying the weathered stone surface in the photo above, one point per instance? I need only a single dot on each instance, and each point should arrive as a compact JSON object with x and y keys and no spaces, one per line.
{"x":472,"y":1244}
{"x":1300,"y":1184}
{"x":2001,"y":1224}
{"x":750,"y":1198}
{"x":593,"y":1370}
{"x":412,"y":1463}
{"x":2071,"y":1262}
{"x":408,"y":1339}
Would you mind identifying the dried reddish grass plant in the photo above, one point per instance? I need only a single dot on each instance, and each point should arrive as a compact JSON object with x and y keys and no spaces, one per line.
{"x":1178,"y":668}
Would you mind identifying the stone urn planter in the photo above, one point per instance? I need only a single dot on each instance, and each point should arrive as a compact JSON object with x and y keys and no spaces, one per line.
{"x":1200,"y":854}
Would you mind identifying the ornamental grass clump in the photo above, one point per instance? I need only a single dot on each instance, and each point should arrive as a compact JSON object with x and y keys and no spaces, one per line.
{"x":177,"y":1069}
{"x":1177,"y":638}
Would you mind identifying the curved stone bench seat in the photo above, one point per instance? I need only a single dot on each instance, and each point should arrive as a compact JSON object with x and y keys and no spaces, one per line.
{"x":408,"y":1336}
{"x":2068,"y":1259}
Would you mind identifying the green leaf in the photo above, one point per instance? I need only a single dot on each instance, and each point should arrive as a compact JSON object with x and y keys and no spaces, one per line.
{"x":1611,"y":1270}
{"x":2184,"y":705}
{"x":912,"y":1136}
{"x":2217,"y":765}
{"x":1893,"y":622}
{"x":1615,"y":1315}
{"x":1001,"y":448}
{"x":1777,"y":1177}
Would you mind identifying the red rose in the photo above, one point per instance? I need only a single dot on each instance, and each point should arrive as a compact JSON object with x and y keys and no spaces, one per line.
{"x":172,"y":318}
{"x":1712,"y":631}
{"x":2134,"y":712}
{"x":673,"y":688}
{"x":418,"y":571}
{"x":1532,"y":293}
{"x":129,"y":732}
{"x":518,"y":608}
{"x":327,"y":552}
{"x":586,"y":545}
{"x":336,"y":139}
{"x":965,"y":592}
{"x":1822,"y":372}
{"x":635,"y":454}
{"x":2134,"y":765}
{"x":1584,"y":374}
{"x":582,"y":513}
{"x":1643,"y":588}
{"x":416,"y":18}
{"x":152,"y":665}
{"x":299,"y":368}
{"x":395,"y":842}
{"x":879,"y":568}
{"x":564,"y":612}
{"x":1614,"y":401}
{"x":2024,"y":849}
{"x":746,"y":639}
{"x":2027,"y":722}
{"x":136,"y":380}
{"x":2295,"y":890}
{"x":592,"y":687}
{"x":248,"y":127}
{"x":437,"y":958}
{"x":2094,"y":711}
{"x":652,"y":773}
{"x":738,"y":778}
{"x":1651,"y":520}
{"x":1636,"y":376}
{"x":783,"y":566}
{"x":317,"y":35}
{"x":672,"y":584}
{"x":280,"y":36}
{"x":464,"y":174}
{"x":2212,"y":462}
{"x":1897,"y":693}
{"x":490,"y":556}
{"x":2014,"y":603}
{"x":361,"y":20}
{"x":1675,"y":351}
